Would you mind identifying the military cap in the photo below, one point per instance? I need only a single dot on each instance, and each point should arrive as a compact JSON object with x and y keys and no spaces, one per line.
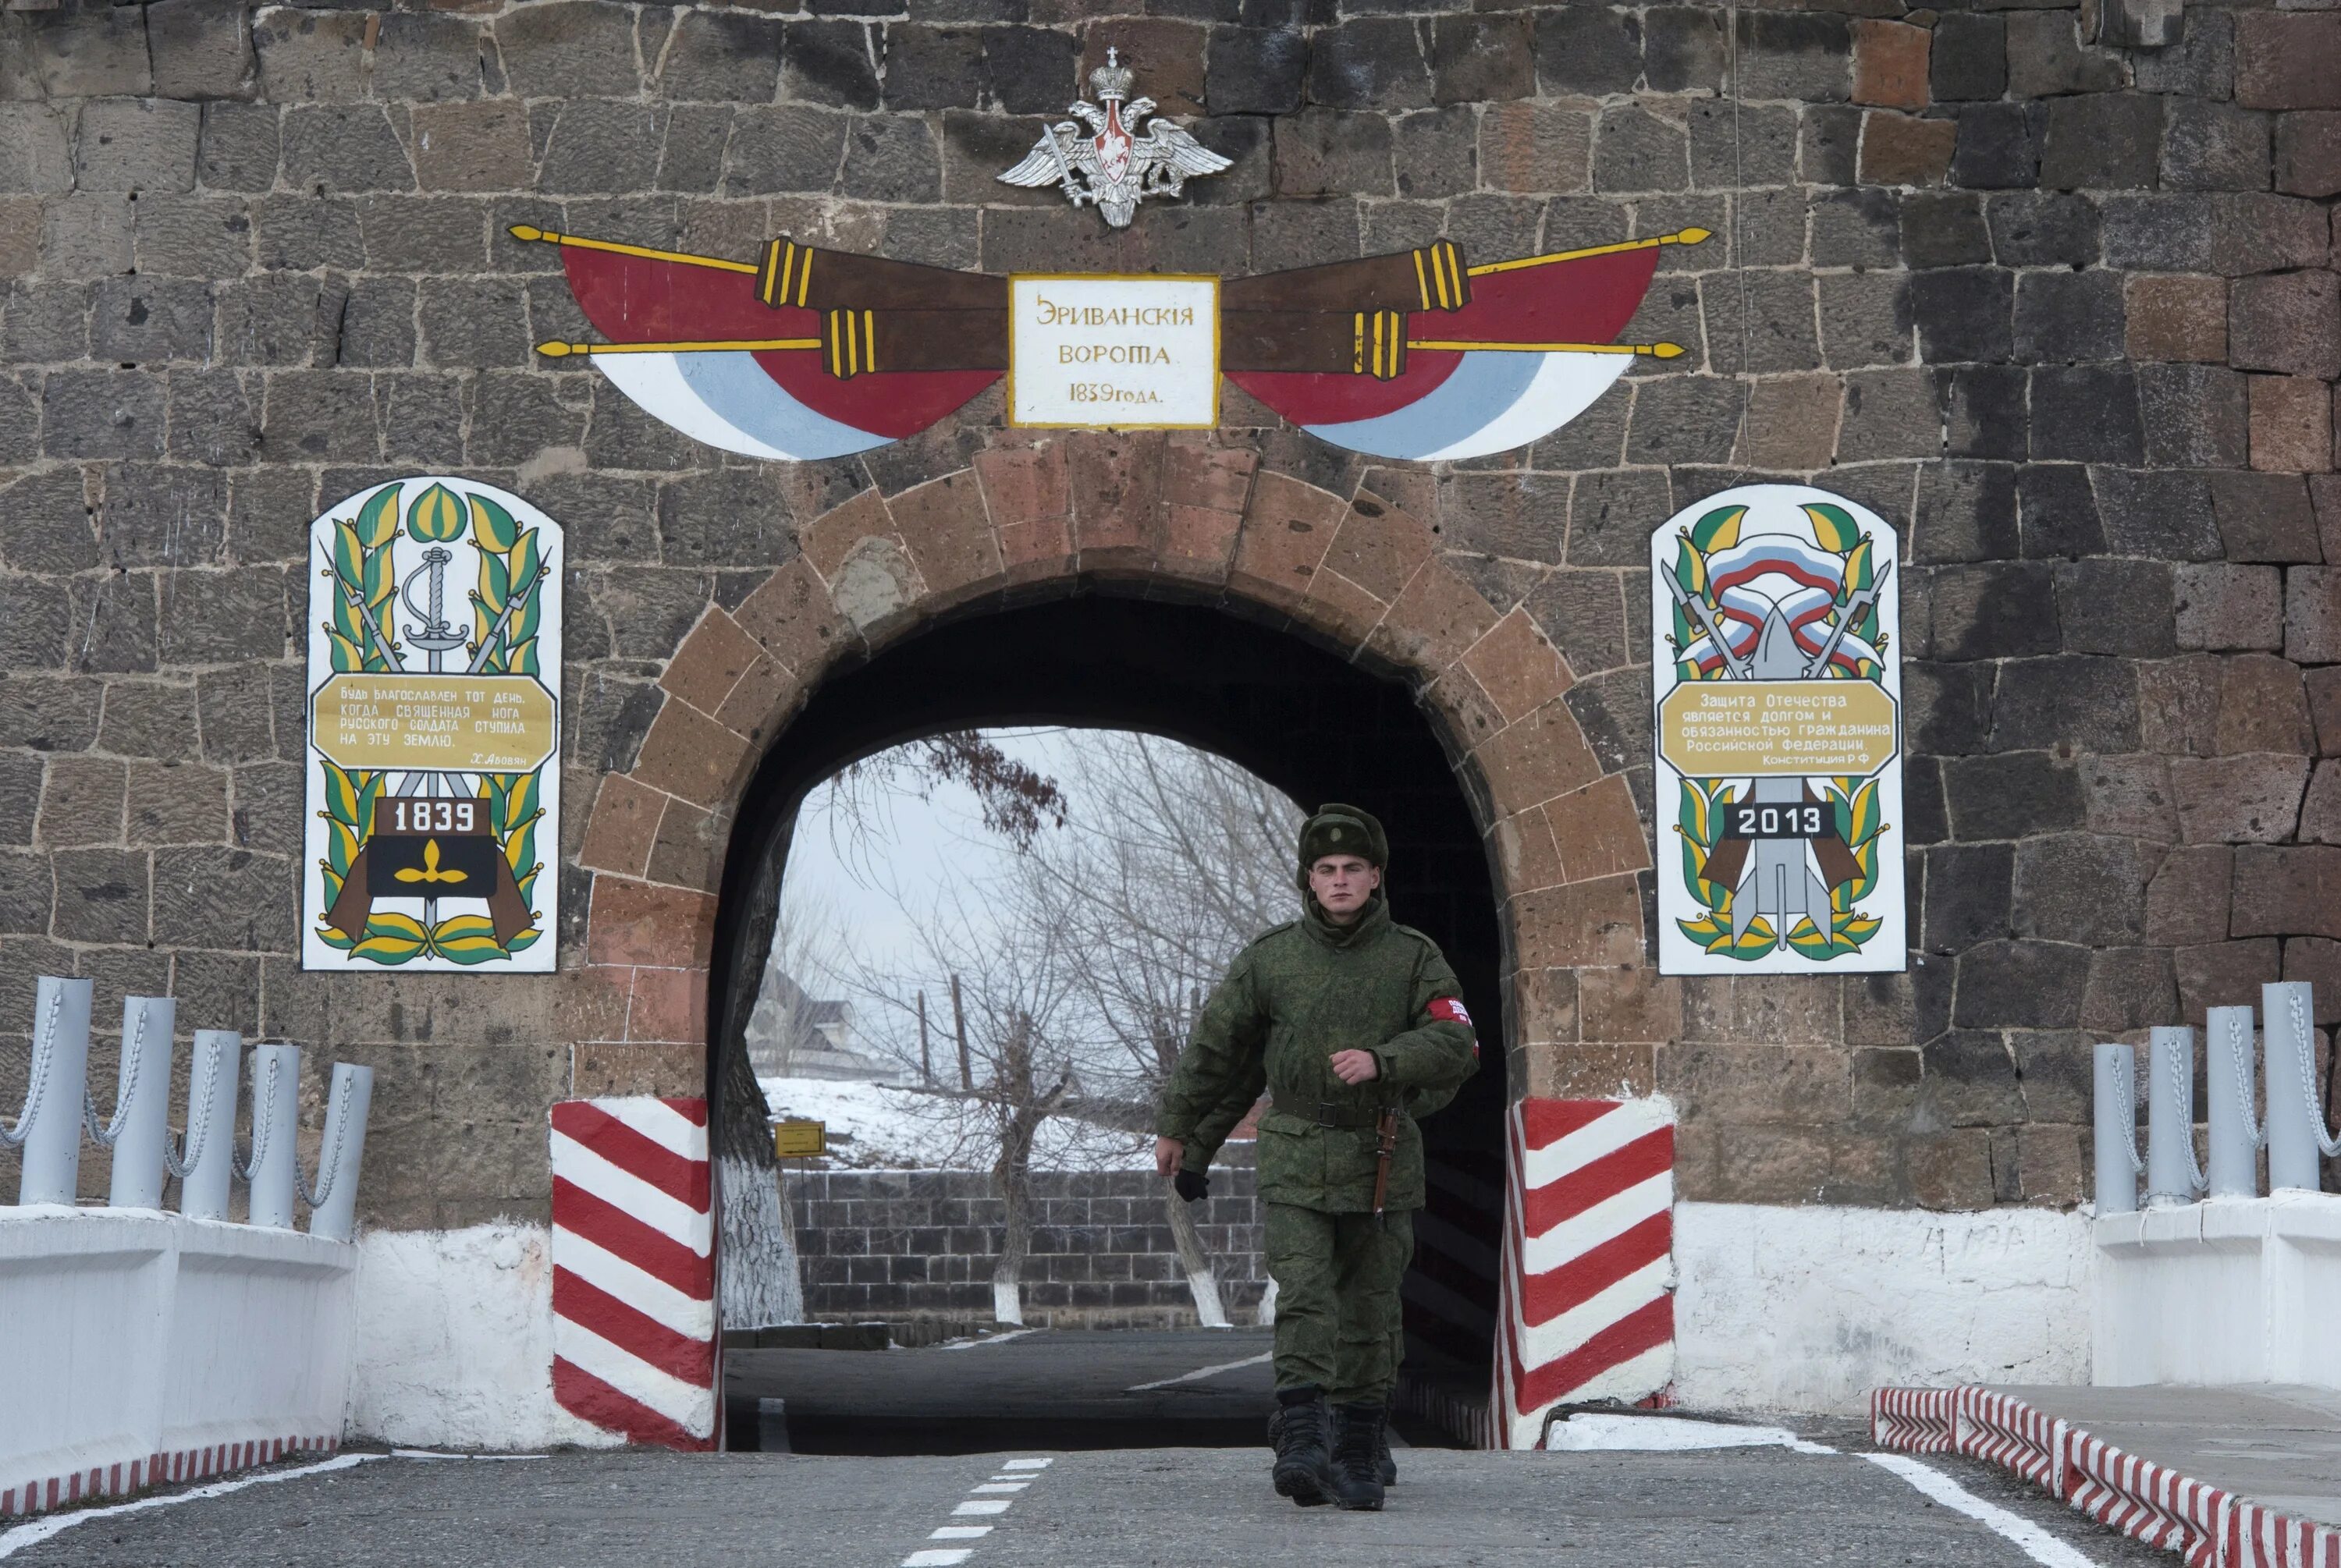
{"x":1339,"y":829}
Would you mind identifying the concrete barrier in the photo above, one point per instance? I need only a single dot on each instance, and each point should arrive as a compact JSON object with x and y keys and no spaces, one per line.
{"x":147,"y":1346}
{"x":2231,"y":1290}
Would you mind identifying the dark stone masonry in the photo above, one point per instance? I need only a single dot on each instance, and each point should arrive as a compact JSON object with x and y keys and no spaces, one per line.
{"x":896,"y":1245}
{"x":2065,"y":315}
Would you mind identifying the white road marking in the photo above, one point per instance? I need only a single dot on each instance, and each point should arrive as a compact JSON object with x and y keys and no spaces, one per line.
{"x":1202,"y":1371}
{"x":14,"y":1541}
{"x":2036,"y":1543}
{"x":1001,"y":1487}
{"x":989,"y":1339}
{"x":960,"y":1532}
{"x":988,"y":1506}
{"x":1027,"y":1464}
{"x":937,"y":1557}
{"x":1591,"y":1432}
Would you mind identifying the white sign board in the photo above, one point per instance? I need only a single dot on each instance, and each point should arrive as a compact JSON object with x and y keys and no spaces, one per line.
{"x":434,"y":731}
{"x":1775,"y":658}
{"x":1110,"y":352}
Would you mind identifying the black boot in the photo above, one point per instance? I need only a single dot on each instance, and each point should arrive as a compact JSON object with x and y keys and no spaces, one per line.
{"x":1357,"y":1468}
{"x":1383,"y":1463}
{"x":1304,"y":1461}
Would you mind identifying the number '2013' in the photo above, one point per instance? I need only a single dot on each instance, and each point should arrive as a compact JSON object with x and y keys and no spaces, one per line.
{"x":1777,"y":822}
{"x":431,"y":815}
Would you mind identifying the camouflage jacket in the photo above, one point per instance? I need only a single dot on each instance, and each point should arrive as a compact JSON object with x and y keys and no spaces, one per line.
{"x":1301,"y":992}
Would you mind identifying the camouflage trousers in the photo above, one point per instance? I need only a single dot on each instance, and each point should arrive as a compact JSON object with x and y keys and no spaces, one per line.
{"x":1337,"y":1298}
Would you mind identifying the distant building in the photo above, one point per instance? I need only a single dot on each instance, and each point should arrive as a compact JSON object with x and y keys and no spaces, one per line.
{"x":793,"y":1034}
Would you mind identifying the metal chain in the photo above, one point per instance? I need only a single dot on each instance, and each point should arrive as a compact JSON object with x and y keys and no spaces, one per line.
{"x":329,"y":1163}
{"x":2182,"y":1083}
{"x":2127,"y":1091}
{"x":199,"y":1125}
{"x":263,"y":1110}
{"x":2325,"y":1141}
{"x":132,"y":1059}
{"x":2239,"y":1059}
{"x":37,"y":1083}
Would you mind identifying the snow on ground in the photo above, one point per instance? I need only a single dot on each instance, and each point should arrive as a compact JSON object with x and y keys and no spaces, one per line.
{"x":881,"y":1127}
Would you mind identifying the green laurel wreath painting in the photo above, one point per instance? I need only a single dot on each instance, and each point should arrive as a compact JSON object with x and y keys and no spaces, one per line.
{"x":433,"y":725}
{"x":1778,"y":735}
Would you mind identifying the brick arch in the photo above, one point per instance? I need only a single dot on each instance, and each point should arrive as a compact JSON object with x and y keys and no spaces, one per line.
{"x":1359,"y":569}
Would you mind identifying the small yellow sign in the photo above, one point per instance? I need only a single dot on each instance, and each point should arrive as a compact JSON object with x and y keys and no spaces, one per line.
{"x":1796,"y":728}
{"x":800,"y":1140}
{"x":451,"y":723}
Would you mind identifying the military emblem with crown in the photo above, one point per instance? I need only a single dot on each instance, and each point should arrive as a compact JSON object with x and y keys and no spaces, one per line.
{"x":1110,"y":164}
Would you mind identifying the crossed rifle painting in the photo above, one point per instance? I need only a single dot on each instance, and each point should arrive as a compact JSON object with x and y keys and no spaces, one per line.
{"x":804,"y":353}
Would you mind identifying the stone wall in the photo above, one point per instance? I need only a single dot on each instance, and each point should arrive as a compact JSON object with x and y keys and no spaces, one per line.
{"x":902,"y":1244}
{"x":2067,"y":315}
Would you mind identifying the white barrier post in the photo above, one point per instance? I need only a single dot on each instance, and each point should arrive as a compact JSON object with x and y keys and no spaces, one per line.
{"x":275,"y":1121}
{"x":2230,"y":1073}
{"x":142,"y":1102}
{"x":50,"y":1127}
{"x":333,"y":1207}
{"x":210,"y":1152}
{"x":2172,"y":1176}
{"x":2296,"y":1110}
{"x":2117,"y":1131}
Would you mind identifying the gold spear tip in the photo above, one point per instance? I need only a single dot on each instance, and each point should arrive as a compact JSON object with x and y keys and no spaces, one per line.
{"x":1694,"y":236}
{"x":525,"y":232}
{"x":1666,"y":350}
{"x":553,"y":349}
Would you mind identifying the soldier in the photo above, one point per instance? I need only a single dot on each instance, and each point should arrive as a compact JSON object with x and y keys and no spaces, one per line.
{"x":1349,"y":1020}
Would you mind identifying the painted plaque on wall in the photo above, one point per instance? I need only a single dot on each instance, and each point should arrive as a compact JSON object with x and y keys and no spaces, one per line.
{"x":1778,"y":684}
{"x":434,"y":731}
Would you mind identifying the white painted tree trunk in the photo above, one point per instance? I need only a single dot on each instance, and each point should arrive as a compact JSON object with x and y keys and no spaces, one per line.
{"x":1202,"y":1280}
{"x":1267,"y":1318}
{"x":1006,"y":1302}
{"x":759,"y":1284}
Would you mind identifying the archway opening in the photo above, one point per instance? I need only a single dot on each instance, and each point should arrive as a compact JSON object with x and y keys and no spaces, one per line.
{"x":1258,"y":691}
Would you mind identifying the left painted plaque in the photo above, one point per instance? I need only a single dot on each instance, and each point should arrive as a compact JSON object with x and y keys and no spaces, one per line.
{"x":434,"y":731}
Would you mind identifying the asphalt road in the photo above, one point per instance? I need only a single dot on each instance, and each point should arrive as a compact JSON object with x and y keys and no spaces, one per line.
{"x":1091,"y":1506}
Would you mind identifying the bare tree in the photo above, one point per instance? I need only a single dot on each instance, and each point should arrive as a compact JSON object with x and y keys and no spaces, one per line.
{"x":1173,"y":861}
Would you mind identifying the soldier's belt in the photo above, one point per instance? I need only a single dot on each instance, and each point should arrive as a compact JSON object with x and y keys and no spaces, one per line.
{"x":1326,"y":1113}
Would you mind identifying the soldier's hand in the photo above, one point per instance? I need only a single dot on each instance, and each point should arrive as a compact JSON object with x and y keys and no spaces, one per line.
{"x":1356,"y":1066}
{"x":1170,"y":1156}
{"x":1190,"y":1186}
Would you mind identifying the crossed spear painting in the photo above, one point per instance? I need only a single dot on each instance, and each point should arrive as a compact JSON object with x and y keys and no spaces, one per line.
{"x":807,"y":352}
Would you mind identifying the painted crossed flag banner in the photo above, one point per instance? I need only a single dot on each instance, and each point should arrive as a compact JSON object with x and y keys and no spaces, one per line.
{"x":633,"y":1268}
{"x":1588,"y":1282}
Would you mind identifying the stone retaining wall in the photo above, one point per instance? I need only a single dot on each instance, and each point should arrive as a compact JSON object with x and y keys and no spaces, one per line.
{"x":896,"y":1244}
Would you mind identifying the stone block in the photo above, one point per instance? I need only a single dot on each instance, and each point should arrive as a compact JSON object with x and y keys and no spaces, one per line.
{"x":2020,"y":985}
{"x":2323,"y":690}
{"x":37,"y":153}
{"x":570,"y":48}
{"x":2013,"y":796}
{"x":1636,"y":149}
{"x":1963,"y":313}
{"x":2292,"y":425}
{"x":1944,"y":230}
{"x":1866,"y":320}
{"x":2320,"y":809}
{"x":2194,"y":415}
{"x":333,"y":148}
{"x":2187,"y":901}
{"x":2262,"y":707}
{"x":2087,"y":413}
{"x":1533,"y":147}
{"x":1899,"y":150}
{"x":2312,"y":615}
{"x":2308,"y":154}
{"x":473,"y":147}
{"x":430,"y":58}
{"x":77,"y":53}
{"x":2046,"y":57}
{"x":2164,"y":515}
{"x":1586,"y":51}
{"x":1829,"y":141}
{"x":1856,"y":229}
{"x":2249,"y":800}
{"x":137,"y":145}
{"x":2288,"y":60}
{"x":1892,"y":63}
{"x":2070,"y":316}
{"x":1480,"y":57}
{"x":1253,"y":70}
{"x":1968,"y":57}
{"x":1968,"y":894}
{"x":1329,"y":152}
{"x":2212,"y":146}
{"x":2101,"y":141}
{"x":105,"y":896}
{"x":1889,"y":414}
{"x":1998,"y":146}
{"x":1804,"y":56}
{"x":2288,"y":890}
{"x":101,"y":414}
{"x":2262,"y":233}
{"x":1371,"y":62}
{"x":2088,"y":703}
{"x":791,"y":148}
{"x":2083,"y":888}
{"x":2223,"y":975}
{"x":2222,"y":607}
{"x":2118,"y":607}
{"x":2289,"y":322}
{"x":1991,"y":611}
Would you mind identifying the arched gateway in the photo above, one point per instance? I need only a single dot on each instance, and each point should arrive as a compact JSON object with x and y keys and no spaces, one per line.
{"x":1314,"y":632}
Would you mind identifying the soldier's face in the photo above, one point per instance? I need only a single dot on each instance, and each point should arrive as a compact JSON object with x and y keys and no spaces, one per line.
{"x":1342,"y":884}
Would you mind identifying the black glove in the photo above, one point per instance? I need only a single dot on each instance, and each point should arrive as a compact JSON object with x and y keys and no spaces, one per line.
{"x":1191,"y":1185}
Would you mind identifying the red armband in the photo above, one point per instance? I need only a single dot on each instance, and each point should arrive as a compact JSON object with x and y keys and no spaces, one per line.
{"x":1449,"y":1010}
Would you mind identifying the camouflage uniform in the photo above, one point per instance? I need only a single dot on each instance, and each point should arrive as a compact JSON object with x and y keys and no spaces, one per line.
{"x":1292,"y":999}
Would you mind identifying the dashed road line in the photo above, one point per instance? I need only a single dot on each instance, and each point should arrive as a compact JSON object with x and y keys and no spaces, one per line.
{"x":1012,"y":1477}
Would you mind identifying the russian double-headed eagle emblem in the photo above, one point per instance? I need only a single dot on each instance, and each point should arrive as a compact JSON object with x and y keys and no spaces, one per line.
{"x":1107,"y":165}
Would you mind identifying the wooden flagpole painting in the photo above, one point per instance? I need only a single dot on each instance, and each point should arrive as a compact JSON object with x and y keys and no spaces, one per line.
{"x":1778,"y":679}
{"x":434,"y":731}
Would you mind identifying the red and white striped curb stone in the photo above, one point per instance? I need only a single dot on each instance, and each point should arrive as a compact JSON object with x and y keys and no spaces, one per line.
{"x":39,"y":1495}
{"x":633,"y":1268}
{"x":1587,"y":1291}
{"x":2206,"y":1525}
